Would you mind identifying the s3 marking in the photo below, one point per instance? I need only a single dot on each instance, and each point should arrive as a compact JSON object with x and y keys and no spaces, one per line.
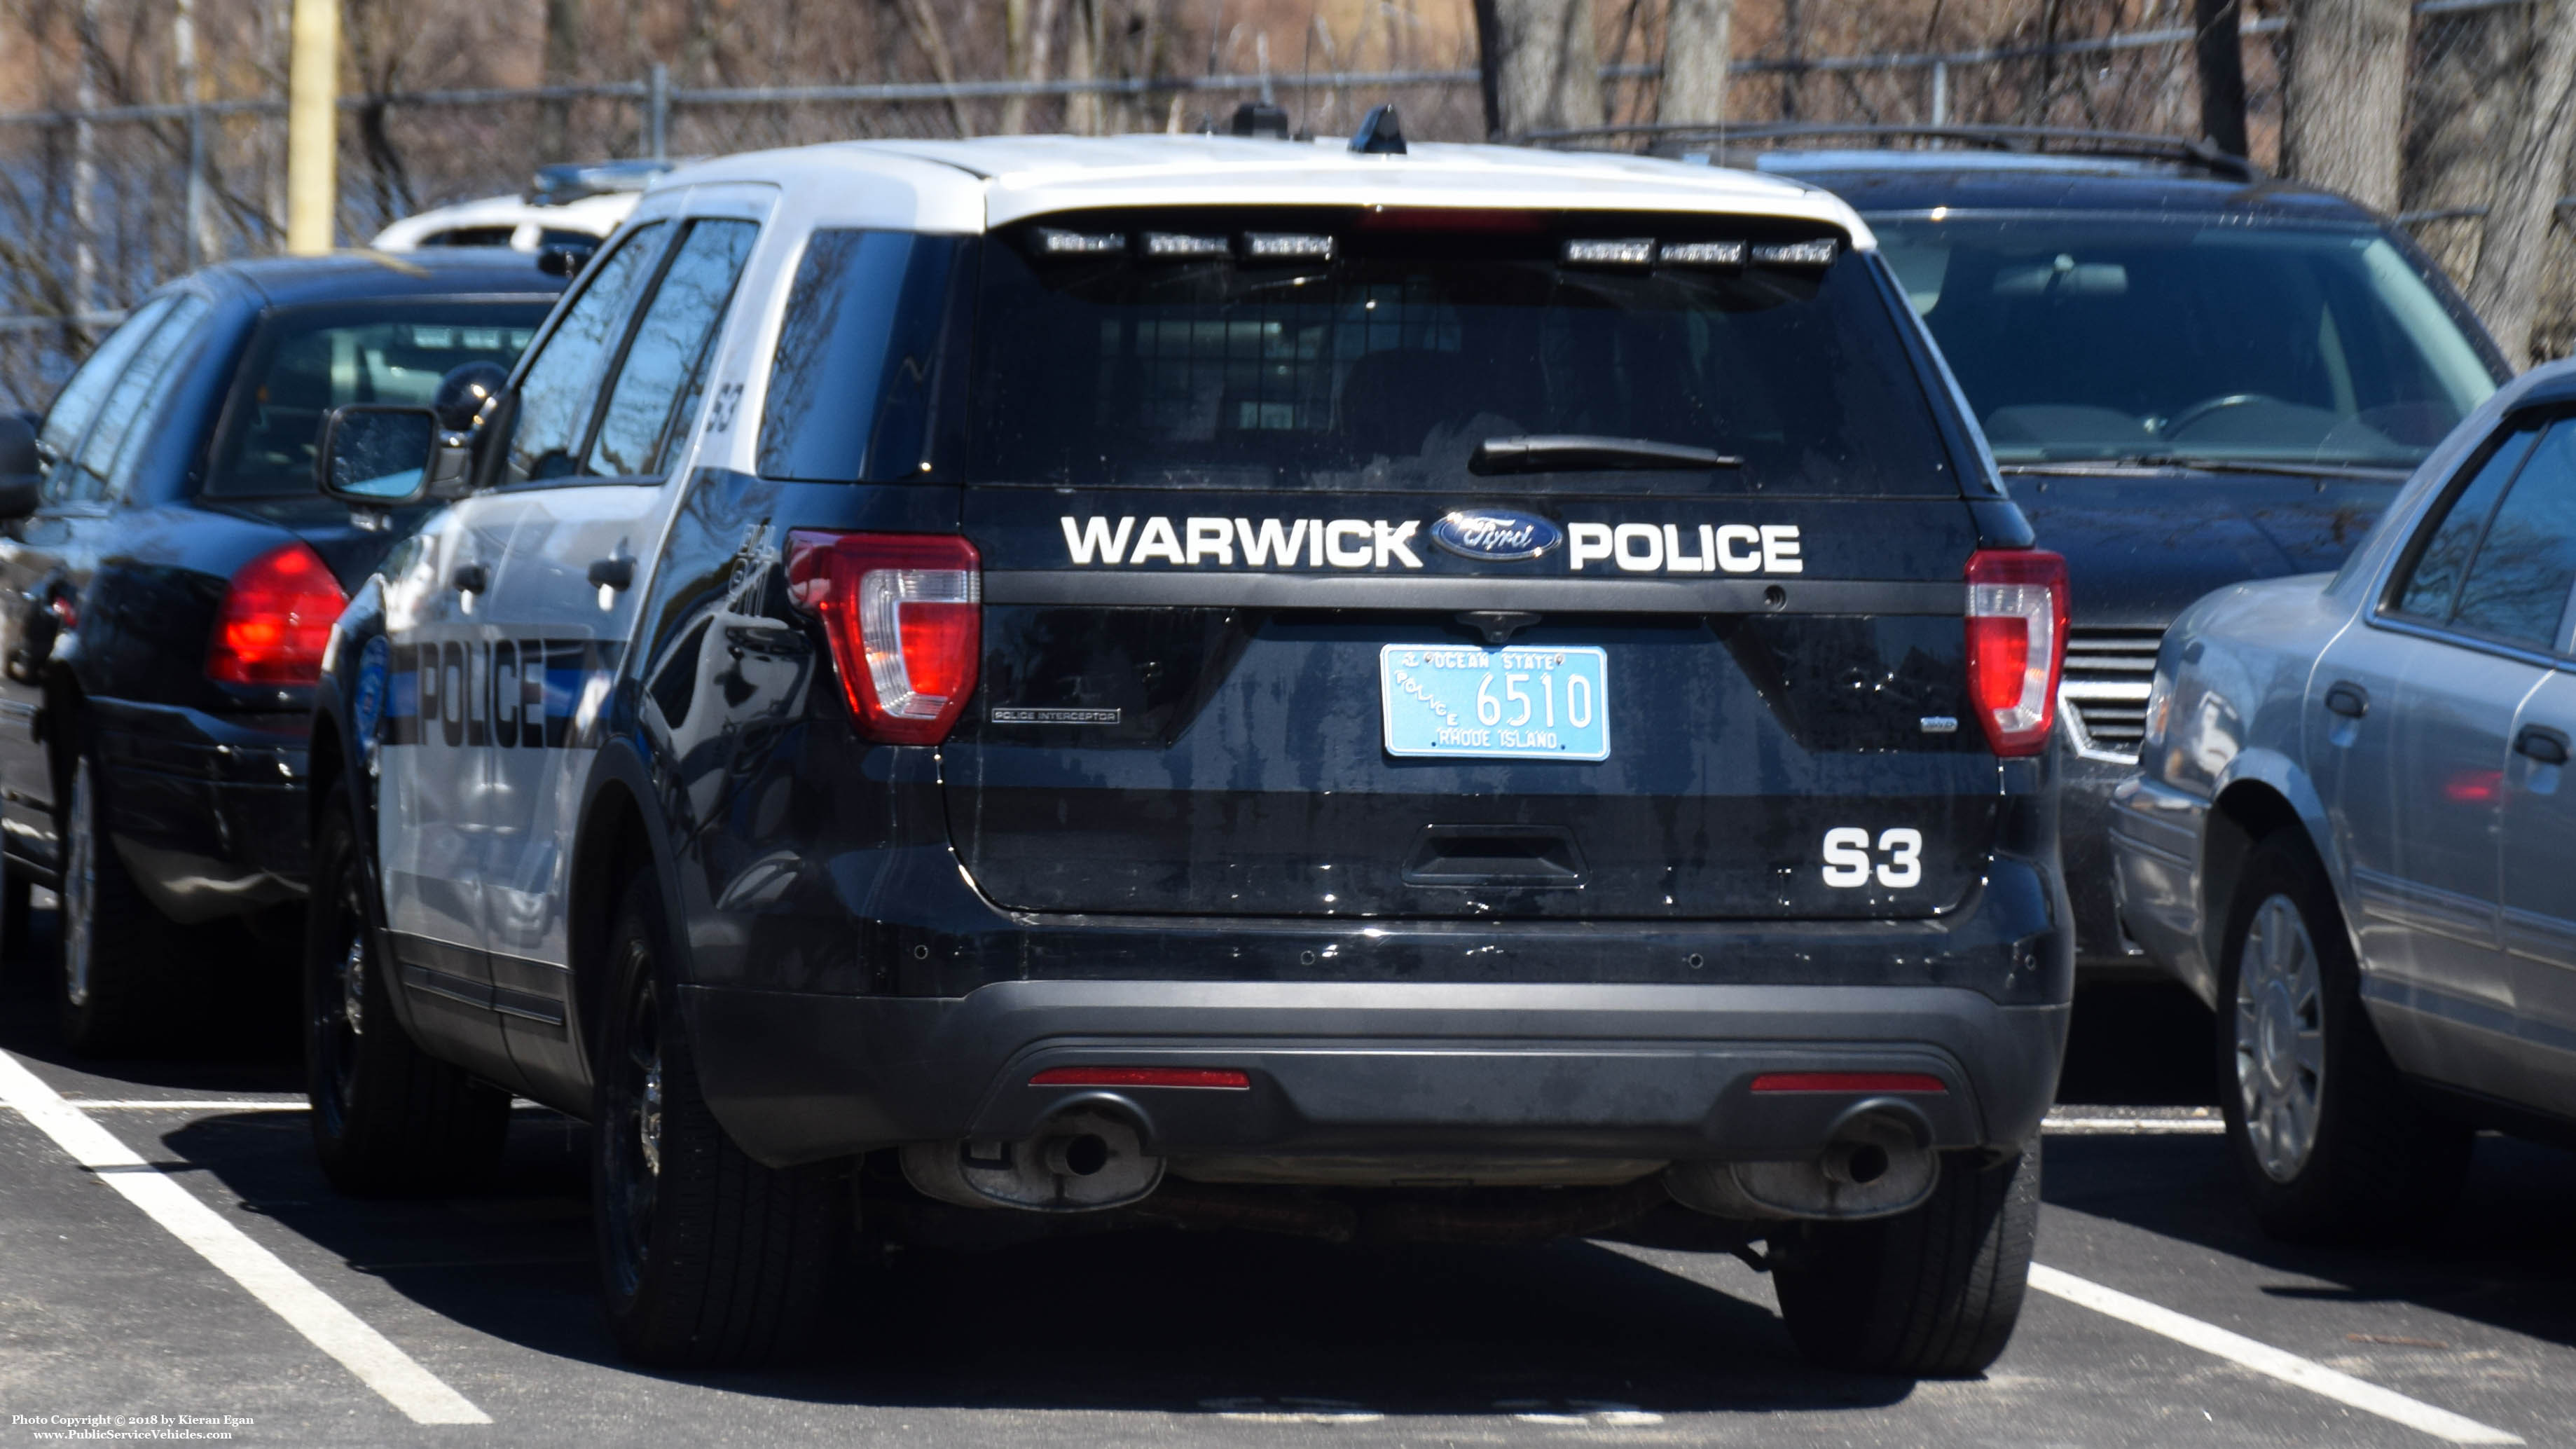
{"x":1849,"y":864}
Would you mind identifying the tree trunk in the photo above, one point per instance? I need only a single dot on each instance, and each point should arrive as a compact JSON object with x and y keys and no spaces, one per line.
{"x":2506,"y":287}
{"x":1082,"y":63}
{"x":1697,"y":50}
{"x":1547,"y":74}
{"x":2346,"y":96}
{"x":2219,"y":55}
{"x":2458,"y":105}
{"x":563,"y":58}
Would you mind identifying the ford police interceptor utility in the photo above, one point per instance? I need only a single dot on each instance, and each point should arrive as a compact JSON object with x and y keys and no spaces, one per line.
{"x":1452,"y":693}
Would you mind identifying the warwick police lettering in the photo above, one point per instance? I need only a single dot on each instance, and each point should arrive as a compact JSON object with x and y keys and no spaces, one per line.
{"x":1373,"y":543}
{"x":521,"y":694}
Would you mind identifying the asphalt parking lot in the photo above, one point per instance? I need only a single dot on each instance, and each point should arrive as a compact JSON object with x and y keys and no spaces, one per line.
{"x":303,"y":1318}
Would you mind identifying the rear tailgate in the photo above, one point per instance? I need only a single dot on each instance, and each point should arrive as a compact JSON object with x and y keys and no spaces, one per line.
{"x":1213,"y":740}
{"x":1289,"y":609}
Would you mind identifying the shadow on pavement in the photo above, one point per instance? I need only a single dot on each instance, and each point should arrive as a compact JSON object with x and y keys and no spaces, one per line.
{"x":2504,"y":1257}
{"x":2140,"y":1044}
{"x":246,"y":1041}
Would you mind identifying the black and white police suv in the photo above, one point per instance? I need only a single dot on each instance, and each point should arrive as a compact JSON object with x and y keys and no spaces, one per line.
{"x":1382,"y":694}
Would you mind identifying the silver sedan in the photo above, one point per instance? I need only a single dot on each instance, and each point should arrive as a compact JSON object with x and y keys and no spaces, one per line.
{"x":2350,"y":832}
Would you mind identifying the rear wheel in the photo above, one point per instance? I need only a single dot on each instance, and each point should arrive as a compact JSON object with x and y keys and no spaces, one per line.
{"x":1931,"y":1293}
{"x":2333,"y":1143}
{"x":129,"y":980}
{"x":387,"y":1117}
{"x":707,"y":1258}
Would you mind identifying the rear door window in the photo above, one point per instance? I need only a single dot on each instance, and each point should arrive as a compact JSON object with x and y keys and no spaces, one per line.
{"x":129,"y":405}
{"x":652,"y":403}
{"x":77,"y":405}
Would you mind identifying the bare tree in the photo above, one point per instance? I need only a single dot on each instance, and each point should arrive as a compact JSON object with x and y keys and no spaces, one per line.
{"x":563,"y":60}
{"x":1697,"y":50}
{"x":1543,"y":66}
{"x":2346,"y":96}
{"x":2530,"y":167}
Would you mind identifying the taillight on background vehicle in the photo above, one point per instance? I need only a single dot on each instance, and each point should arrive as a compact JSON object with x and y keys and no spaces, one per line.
{"x":277,"y":616}
{"x":2016,"y":645}
{"x":904,"y":612}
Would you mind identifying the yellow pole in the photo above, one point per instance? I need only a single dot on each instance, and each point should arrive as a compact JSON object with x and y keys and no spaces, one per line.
{"x":312,"y":127}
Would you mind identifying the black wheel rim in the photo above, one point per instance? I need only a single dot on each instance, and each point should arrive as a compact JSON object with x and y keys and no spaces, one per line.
{"x":633,"y":1131}
{"x":339,"y":1001}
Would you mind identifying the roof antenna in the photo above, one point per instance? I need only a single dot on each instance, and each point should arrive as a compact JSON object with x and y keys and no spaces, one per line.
{"x":1380,"y":134}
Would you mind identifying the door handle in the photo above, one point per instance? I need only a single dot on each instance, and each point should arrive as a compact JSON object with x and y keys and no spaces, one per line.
{"x":470,"y":578}
{"x":612,"y":573}
{"x":2543,"y":744}
{"x":2349,"y":700}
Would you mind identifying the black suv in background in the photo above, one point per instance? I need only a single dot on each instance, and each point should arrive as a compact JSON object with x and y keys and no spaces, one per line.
{"x":2191,"y":375}
{"x":166,"y":591}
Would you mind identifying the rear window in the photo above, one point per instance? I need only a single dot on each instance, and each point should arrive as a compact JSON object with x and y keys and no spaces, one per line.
{"x":1378,"y":349}
{"x":309,"y":360}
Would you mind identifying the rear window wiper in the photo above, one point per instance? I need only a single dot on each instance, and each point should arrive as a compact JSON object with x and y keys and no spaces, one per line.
{"x":2198,"y":463}
{"x":1575,"y":453}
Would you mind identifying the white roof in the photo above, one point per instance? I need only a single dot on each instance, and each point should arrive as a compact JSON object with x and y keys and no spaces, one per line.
{"x":975,"y":185}
{"x":528,"y":222}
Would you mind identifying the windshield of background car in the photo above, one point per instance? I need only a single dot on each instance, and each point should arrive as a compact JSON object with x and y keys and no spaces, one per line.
{"x":309,"y":360}
{"x":1376,"y":349}
{"x":2096,"y":340}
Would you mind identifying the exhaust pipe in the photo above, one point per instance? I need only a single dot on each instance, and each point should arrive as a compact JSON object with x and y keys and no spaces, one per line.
{"x":1083,"y":1160}
{"x":1877,"y":1165}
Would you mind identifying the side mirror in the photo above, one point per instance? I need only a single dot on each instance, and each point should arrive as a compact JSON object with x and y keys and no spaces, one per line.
{"x":377,"y":456}
{"x":564,"y":259}
{"x":22,"y":469}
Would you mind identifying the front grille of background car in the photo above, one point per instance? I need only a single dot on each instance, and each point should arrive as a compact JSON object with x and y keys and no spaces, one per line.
{"x":2108,"y":674}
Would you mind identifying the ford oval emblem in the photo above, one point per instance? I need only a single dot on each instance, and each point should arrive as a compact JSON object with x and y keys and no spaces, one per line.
{"x":1496,"y":533}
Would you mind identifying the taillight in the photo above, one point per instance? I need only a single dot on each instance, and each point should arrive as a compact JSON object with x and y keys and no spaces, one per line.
{"x":904,"y":612}
{"x":277,"y":616}
{"x":2016,"y":645}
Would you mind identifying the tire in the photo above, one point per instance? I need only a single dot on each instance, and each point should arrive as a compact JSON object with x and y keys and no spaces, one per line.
{"x":388,"y":1119}
{"x":1931,"y":1293}
{"x":2333,"y":1143}
{"x":129,"y":978}
{"x":17,"y":944}
{"x":707,"y":1258}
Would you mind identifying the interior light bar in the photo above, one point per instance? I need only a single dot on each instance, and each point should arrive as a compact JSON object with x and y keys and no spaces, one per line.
{"x":1179,"y":246}
{"x":1283,"y":246}
{"x":1702,"y":254}
{"x":1610,"y":252}
{"x":1818,"y":253}
{"x":1057,"y":243}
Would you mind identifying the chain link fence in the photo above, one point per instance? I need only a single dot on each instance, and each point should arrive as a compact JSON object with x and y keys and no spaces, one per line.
{"x":100,"y":205}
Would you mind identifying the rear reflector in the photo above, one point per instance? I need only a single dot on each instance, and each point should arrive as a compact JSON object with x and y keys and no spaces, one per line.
{"x":276,"y":619}
{"x":1902,"y":1082}
{"x":1141,"y":1077}
{"x":2016,"y":645}
{"x":904,"y":612}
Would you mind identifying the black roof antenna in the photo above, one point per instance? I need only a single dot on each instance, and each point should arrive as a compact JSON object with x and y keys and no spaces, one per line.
{"x":1258,"y":118}
{"x":1380,"y":134}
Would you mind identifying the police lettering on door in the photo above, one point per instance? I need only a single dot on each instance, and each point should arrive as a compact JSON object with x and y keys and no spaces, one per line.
{"x":472,"y":693}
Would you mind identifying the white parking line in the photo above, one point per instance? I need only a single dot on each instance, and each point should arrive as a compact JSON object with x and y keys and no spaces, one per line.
{"x":2289,"y":1368}
{"x":2130,"y":1126}
{"x":184,"y":1104}
{"x":389,"y":1371}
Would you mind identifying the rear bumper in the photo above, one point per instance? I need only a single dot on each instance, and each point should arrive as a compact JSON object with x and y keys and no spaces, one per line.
{"x":1366,"y":1068}
{"x":207,"y":811}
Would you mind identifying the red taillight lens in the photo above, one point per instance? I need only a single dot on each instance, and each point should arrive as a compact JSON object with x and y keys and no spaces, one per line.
{"x":2016,"y":645}
{"x":276,"y":619}
{"x":904,"y":612}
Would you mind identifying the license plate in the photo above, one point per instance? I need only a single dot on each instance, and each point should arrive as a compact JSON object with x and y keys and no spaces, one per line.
{"x":1516,"y":704}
